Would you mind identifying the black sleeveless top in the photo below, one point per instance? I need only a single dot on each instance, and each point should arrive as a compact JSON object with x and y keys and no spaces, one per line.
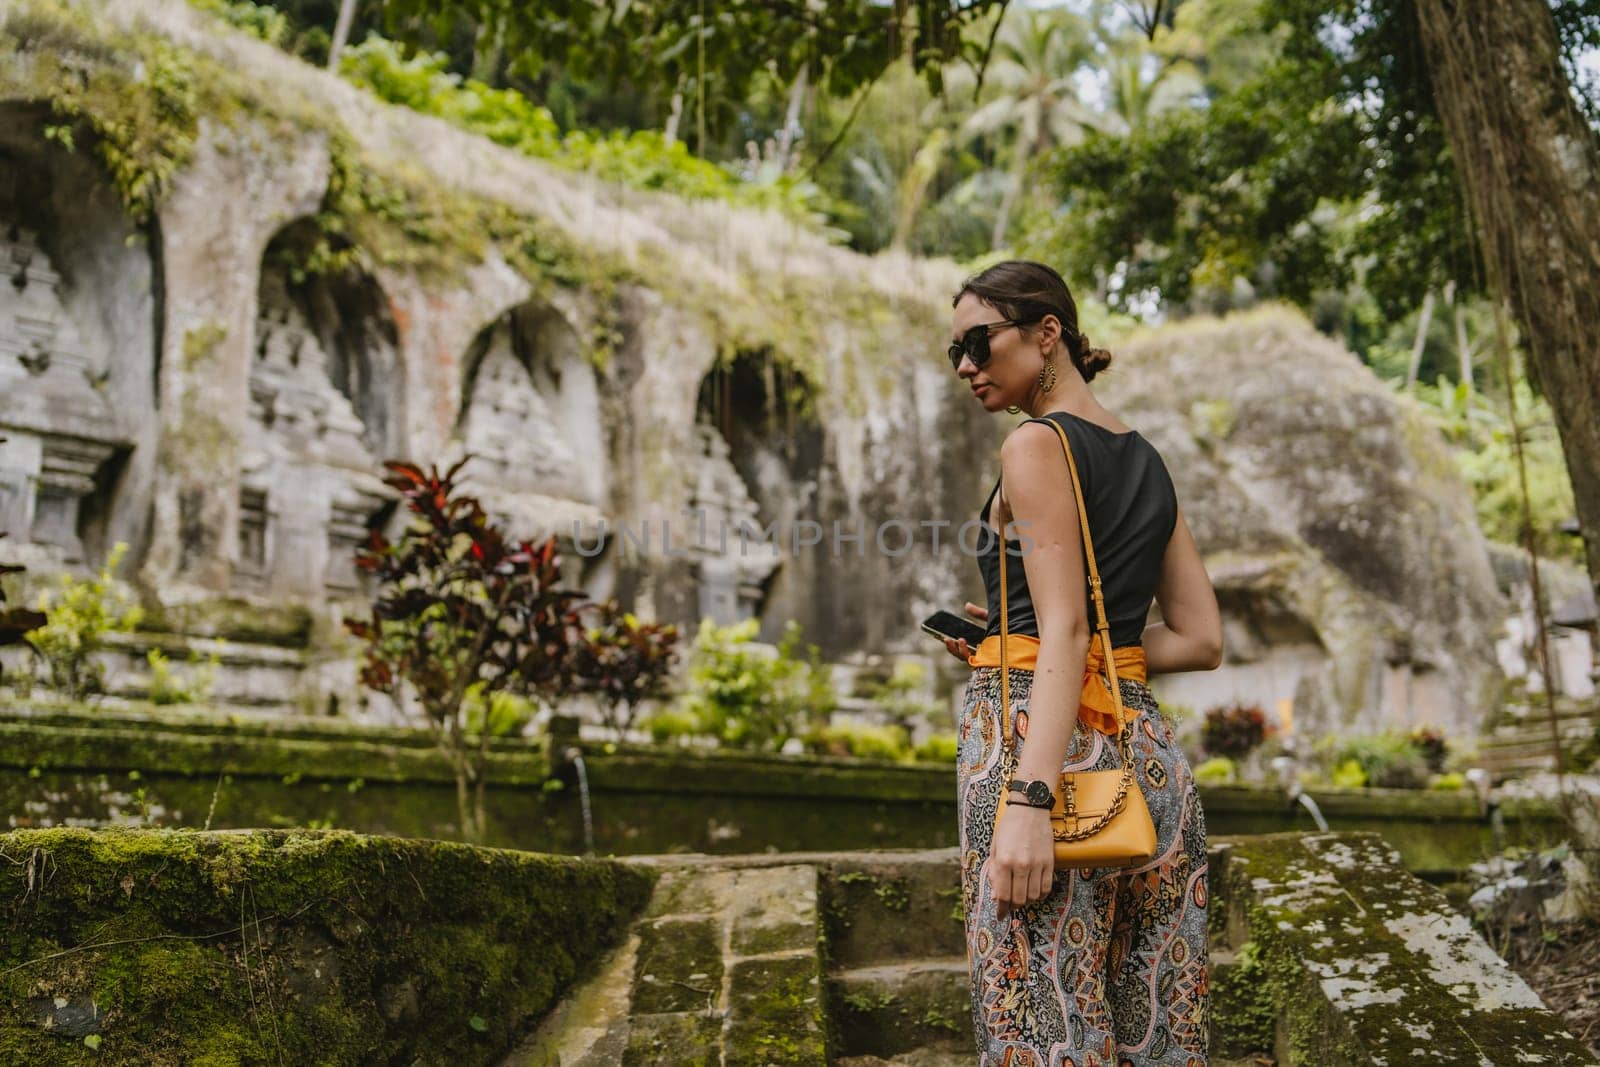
{"x":1133,"y":509}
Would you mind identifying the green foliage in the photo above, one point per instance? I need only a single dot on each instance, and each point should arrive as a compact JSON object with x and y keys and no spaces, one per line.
{"x":718,"y":54}
{"x":259,"y":20}
{"x":641,"y":159}
{"x":81,"y":612}
{"x":671,"y":725}
{"x":745,"y":696}
{"x":1218,"y":770}
{"x":1475,"y":424}
{"x":1388,"y":760}
{"x":938,"y":748}
{"x":1448,"y":782}
{"x":862,"y":741}
{"x":508,"y":713}
{"x":1319,"y":162}
{"x":1349,"y":774}
{"x":139,"y":111}
{"x":191,"y":687}
{"x":896,"y":697}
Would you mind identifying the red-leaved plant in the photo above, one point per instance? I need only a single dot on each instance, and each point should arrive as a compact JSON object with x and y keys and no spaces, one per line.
{"x":460,"y":604}
{"x":1233,"y":730}
{"x":623,"y":662}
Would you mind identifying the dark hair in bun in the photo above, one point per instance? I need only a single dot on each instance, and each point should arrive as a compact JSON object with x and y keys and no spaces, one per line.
{"x":1088,"y":359}
{"x":1026,"y":290}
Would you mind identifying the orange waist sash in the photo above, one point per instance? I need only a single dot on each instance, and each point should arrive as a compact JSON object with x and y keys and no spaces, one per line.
{"x":1096,"y":708}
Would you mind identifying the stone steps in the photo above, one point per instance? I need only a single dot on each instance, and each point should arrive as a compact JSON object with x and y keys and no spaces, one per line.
{"x":914,"y":1008}
{"x":1524,"y":745}
{"x":723,"y":967}
{"x":250,"y":677}
{"x":898,"y":987}
{"x":1324,"y":951}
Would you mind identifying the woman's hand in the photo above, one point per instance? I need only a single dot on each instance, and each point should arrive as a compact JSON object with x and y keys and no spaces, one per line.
{"x":959,"y":647}
{"x":1022,"y":864}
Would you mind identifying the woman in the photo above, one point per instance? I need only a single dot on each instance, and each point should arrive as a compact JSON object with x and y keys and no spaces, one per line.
{"x":1092,"y":967}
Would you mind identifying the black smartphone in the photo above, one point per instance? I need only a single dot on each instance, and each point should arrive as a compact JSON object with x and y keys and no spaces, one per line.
{"x":949,"y":624}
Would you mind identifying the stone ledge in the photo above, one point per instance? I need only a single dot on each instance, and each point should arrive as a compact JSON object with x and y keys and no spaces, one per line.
{"x":360,"y":949}
{"x":1342,"y":958}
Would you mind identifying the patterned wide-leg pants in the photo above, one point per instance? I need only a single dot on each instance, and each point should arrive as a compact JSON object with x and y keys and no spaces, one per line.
{"x":1110,"y":968}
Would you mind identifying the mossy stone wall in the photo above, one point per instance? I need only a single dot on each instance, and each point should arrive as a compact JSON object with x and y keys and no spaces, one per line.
{"x":85,"y":769}
{"x":178,"y":947}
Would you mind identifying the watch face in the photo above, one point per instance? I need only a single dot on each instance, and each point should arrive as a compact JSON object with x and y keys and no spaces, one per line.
{"x":1038,"y":793}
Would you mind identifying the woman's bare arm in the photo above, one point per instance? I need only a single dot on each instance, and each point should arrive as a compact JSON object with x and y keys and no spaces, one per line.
{"x":1045,"y":519}
{"x":1189,"y":637}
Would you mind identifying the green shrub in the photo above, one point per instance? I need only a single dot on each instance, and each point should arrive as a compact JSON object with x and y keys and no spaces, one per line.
{"x":669,"y":725}
{"x":938,"y":748}
{"x":1218,"y":770}
{"x":745,"y":696}
{"x":1388,"y":760}
{"x":1349,"y":775}
{"x":509,"y":713}
{"x":169,"y":687}
{"x":258,"y":20}
{"x":81,"y":612}
{"x":1450,"y":781}
{"x":896,"y":697}
{"x":863,"y":742}
{"x":642,"y":159}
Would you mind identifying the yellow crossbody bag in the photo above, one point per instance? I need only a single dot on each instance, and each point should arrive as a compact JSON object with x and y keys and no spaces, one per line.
{"x":1100,"y":818}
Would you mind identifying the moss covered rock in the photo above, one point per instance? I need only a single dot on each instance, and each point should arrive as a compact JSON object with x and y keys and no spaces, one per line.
{"x":168,"y":947}
{"x":1339,"y":957}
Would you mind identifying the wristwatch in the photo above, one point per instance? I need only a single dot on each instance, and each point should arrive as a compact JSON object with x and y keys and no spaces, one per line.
{"x":1037,"y":793}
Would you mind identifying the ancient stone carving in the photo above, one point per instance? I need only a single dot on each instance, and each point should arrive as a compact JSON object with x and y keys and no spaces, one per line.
{"x":56,"y":416}
{"x":733,"y":558}
{"x":310,"y":483}
{"x":531,"y":422}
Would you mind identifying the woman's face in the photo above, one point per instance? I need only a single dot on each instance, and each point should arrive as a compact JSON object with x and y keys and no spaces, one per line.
{"x":1013,"y":359}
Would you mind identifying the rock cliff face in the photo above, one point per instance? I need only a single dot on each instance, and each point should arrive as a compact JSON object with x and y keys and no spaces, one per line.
{"x":247,"y":283}
{"x":1352,"y":574}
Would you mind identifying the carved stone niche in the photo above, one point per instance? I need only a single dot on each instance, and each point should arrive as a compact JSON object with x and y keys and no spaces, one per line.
{"x":732,"y":557}
{"x":531,"y":421}
{"x":56,"y":418}
{"x":309,"y":481}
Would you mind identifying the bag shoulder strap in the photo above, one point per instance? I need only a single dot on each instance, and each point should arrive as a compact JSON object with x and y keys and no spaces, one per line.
{"x":1102,"y":627}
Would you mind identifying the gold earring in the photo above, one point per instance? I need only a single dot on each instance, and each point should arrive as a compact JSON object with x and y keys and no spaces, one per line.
{"x":1013,"y":408}
{"x":1047,"y":376}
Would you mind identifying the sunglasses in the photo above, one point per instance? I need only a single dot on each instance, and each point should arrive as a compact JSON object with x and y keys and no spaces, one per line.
{"x":974,"y":344}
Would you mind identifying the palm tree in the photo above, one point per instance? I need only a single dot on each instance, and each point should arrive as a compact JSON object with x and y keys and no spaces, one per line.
{"x":1032,"y":72}
{"x":1142,"y":84}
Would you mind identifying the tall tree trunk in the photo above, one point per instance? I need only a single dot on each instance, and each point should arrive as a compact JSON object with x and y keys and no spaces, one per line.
{"x":791,"y":123}
{"x":676,"y":114}
{"x":341,"y":32}
{"x":487,"y":49}
{"x":1417,"y":346}
{"x":1530,"y":165}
